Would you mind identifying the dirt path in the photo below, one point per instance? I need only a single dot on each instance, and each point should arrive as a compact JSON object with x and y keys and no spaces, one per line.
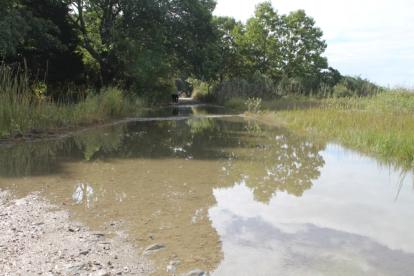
{"x":37,"y":238}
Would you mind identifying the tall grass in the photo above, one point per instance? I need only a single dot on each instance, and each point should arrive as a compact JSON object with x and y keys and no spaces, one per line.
{"x":22,"y":110}
{"x":382,"y":124}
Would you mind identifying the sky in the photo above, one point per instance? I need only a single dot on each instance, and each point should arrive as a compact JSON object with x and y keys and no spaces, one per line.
{"x":373,"y":39}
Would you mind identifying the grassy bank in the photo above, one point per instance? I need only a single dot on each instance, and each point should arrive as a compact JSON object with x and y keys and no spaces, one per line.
{"x":382,"y":125}
{"x":22,"y":110}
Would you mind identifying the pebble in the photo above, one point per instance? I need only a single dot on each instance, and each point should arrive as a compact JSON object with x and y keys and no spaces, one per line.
{"x":197,"y":272}
{"x":85,"y":252}
{"x":153,"y":248}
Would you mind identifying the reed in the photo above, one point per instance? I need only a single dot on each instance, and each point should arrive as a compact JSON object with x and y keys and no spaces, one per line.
{"x":382,"y":125}
{"x":22,"y":109}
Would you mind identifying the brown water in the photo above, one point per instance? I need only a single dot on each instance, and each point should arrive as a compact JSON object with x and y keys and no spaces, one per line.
{"x":227,"y":195}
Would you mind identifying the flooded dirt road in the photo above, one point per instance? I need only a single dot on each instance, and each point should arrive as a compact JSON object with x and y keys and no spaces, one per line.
{"x":226,"y":195}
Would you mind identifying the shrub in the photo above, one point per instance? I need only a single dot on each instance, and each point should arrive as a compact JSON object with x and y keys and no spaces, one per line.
{"x":202,"y":91}
{"x":340,"y":91}
{"x":236,"y":103}
{"x":158,"y":93}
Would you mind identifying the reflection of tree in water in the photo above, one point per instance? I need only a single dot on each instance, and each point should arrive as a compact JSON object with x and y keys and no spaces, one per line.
{"x":279,"y":161}
{"x":272,"y":159}
{"x":46,"y":157}
{"x":195,"y":138}
{"x":187,"y":139}
{"x":30,"y":158}
{"x":101,"y":141}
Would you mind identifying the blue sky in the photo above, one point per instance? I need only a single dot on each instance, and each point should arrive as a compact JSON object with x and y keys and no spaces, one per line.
{"x":373,"y":39}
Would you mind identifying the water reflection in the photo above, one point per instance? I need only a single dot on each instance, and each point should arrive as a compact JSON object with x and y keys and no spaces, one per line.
{"x":276,"y":160}
{"x":223,"y":194}
{"x":83,"y":193}
{"x":47,"y":157}
{"x":347,"y":224}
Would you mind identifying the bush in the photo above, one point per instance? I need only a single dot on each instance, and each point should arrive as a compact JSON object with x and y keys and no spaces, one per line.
{"x":360,"y":87}
{"x":261,"y":86}
{"x":202,"y":91}
{"x":340,"y":91}
{"x":236,"y":103}
{"x":158,"y":93}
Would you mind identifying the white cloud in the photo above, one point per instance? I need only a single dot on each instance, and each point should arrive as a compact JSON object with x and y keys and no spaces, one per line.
{"x":370,"y":38}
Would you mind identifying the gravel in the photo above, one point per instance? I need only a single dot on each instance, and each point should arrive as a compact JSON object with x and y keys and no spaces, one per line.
{"x":38,"y":238}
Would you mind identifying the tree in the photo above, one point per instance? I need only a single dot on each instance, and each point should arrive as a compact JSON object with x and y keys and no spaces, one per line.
{"x":191,"y":36}
{"x":281,"y":46}
{"x":331,"y":76}
{"x":227,"y":59}
{"x":303,"y":46}
{"x":260,"y":42}
{"x":13,"y":28}
{"x":96,"y":20}
{"x":141,"y":41}
{"x":40,"y":34}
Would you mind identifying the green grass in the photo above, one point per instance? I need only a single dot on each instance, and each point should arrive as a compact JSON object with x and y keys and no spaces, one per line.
{"x":382,"y":125}
{"x":22,"y":110}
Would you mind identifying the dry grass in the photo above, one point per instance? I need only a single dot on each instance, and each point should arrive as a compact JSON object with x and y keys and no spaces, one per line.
{"x":22,"y":110}
{"x":382,"y":125}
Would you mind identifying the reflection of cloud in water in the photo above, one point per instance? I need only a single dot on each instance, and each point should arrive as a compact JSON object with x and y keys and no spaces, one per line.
{"x":83,"y":192}
{"x":289,"y":244}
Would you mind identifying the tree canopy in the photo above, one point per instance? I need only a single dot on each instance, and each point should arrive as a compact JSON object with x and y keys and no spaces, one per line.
{"x":144,"y":45}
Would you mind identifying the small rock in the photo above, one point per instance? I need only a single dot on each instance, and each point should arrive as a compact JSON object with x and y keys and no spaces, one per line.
{"x":197,"y":272}
{"x":153,"y":248}
{"x":172,"y":267}
{"x":74,"y":229}
{"x":85,"y":252}
{"x":100,"y":273}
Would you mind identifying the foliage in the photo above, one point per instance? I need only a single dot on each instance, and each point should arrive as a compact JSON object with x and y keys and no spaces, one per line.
{"x":341,"y":90}
{"x":40,"y":34}
{"x":13,"y":28}
{"x":139,"y":43}
{"x":272,"y":45}
{"x":141,"y":46}
{"x":236,"y":104}
{"x":202,"y":91}
{"x":136,"y":45}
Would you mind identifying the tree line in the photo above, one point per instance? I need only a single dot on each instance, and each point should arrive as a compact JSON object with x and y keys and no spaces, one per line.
{"x":143,"y":45}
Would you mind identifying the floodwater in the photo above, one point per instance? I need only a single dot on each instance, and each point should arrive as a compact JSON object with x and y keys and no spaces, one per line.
{"x":227,"y":195}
